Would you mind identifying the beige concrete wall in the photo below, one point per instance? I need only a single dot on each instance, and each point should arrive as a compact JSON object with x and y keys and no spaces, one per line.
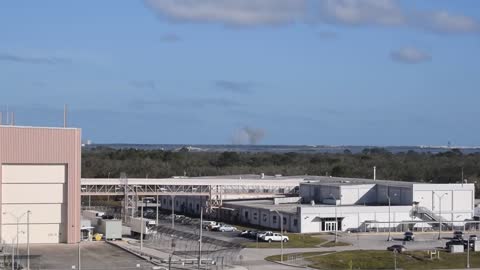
{"x":16,"y":173}
{"x":40,"y":190}
{"x":39,"y":233}
{"x":40,"y":213}
{"x":32,"y":193}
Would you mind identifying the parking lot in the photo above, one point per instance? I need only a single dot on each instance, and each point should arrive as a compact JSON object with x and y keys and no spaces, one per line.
{"x":94,"y":255}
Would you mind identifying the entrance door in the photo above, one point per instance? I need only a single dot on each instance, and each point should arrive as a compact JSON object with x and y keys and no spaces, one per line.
{"x":330,"y":226}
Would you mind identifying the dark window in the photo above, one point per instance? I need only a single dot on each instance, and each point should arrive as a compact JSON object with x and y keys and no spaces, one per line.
{"x":246,"y":214}
{"x":274,"y":219}
{"x":284,"y":221}
{"x":198,"y":207}
{"x":295,"y":222}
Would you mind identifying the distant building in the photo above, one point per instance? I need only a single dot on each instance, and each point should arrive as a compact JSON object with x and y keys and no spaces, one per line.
{"x":40,"y":179}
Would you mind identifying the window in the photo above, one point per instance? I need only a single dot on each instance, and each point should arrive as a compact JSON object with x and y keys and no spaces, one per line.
{"x":246,"y":214}
{"x":176,"y":203}
{"x":264,"y":217}
{"x":284,"y":221}
{"x":274,"y":219}
{"x":198,"y":207}
{"x":255,"y":216}
{"x":295,"y":222}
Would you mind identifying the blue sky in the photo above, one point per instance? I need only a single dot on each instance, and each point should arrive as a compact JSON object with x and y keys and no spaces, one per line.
{"x":342,"y":72}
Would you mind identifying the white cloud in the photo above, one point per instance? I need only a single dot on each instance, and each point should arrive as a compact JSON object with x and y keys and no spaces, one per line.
{"x":410,"y":55}
{"x":361,"y":12}
{"x":444,"y":22}
{"x":387,"y":13}
{"x":231,"y":12}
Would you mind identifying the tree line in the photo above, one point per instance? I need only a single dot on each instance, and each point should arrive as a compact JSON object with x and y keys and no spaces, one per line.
{"x":445,"y":167}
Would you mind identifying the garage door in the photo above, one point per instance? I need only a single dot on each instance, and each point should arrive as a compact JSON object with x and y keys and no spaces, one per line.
{"x":40,"y":189}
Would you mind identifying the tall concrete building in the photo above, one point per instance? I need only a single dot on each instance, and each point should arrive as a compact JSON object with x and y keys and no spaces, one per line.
{"x":40,"y":184}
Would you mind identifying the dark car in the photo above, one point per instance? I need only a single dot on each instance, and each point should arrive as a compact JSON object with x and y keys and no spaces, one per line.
{"x":456,"y":242}
{"x":458,"y":235}
{"x":397,"y":248}
{"x":253,"y":234}
{"x":408,"y":236}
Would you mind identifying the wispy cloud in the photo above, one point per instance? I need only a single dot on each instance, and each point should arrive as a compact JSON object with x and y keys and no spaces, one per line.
{"x":361,"y":12}
{"x":143,"y":84}
{"x":234,"y":87}
{"x":384,"y":13}
{"x":445,"y":22}
{"x":8,"y":57}
{"x":244,"y":13}
{"x":410,"y":55}
{"x":187,"y":102}
{"x":170,"y":38}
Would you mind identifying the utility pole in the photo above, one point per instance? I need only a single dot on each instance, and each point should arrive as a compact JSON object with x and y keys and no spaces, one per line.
{"x":336,"y":217}
{"x":200,"y":240}
{"x":389,"y":217}
{"x":142,"y":226}
{"x":173,"y":212}
{"x":156,"y":192}
{"x":79,"y":256}
{"x":28,"y":239}
{"x":13,"y":254}
{"x":440,"y":214}
{"x":281,"y":233}
{"x":468,"y":253}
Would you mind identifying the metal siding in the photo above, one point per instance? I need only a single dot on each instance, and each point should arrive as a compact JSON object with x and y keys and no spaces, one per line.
{"x":29,"y":145}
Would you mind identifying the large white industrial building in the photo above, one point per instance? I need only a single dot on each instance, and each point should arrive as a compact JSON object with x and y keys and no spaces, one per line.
{"x":329,"y":204}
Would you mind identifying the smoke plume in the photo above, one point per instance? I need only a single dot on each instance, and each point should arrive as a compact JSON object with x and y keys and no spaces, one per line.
{"x":248,"y":135}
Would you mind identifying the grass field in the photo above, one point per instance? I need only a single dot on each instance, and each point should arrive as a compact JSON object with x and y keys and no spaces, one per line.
{"x":297,"y":241}
{"x":379,"y":259}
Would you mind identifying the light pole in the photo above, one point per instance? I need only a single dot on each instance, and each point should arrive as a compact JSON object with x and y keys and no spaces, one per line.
{"x":18,"y":218}
{"x":389,"y":224}
{"x":28,"y":239}
{"x":468,"y":253}
{"x":173,"y":212}
{"x":200,"y":239}
{"x":79,"y":257}
{"x":336,"y":218}
{"x":141,"y":226}
{"x":281,"y":233}
{"x":440,"y":214}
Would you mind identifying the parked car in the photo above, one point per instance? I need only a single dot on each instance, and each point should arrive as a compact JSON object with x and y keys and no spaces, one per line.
{"x":473,"y":237}
{"x":397,"y":248}
{"x":408,"y":236}
{"x":458,"y":235}
{"x":254,"y":234}
{"x":245,"y":233}
{"x":456,"y":242}
{"x":214,"y":226}
{"x":226,"y":228}
{"x":262,"y":234}
{"x":206,"y":224}
{"x":275,"y":237}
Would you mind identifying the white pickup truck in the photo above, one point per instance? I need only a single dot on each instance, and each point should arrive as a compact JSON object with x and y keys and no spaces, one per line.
{"x":274,"y":237}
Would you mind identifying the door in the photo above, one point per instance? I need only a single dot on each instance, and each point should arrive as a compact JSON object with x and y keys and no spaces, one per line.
{"x":330,"y":226}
